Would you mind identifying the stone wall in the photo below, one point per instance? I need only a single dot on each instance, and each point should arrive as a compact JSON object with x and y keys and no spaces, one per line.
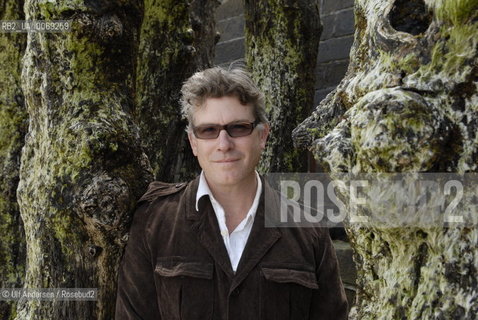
{"x":335,"y":42}
{"x":230,"y":24}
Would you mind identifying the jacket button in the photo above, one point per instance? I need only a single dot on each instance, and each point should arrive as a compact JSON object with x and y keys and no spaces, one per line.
{"x":235,"y":292}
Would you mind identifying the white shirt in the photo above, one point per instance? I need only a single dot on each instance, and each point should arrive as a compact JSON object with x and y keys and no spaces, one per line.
{"x":236,"y":241}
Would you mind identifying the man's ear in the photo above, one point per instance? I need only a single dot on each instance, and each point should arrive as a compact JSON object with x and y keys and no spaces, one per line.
{"x":193,"y":142}
{"x":263,"y":134}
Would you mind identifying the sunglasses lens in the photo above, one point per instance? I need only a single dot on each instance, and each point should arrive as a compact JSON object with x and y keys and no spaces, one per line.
{"x":234,"y":130}
{"x":239,"y":129}
{"x":206,"y":132}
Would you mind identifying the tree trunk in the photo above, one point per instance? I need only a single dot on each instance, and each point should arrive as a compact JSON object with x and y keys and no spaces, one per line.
{"x":408,"y":103}
{"x":13,"y":125}
{"x":282,"y":37}
{"x":177,"y":39}
{"x":82,"y":168}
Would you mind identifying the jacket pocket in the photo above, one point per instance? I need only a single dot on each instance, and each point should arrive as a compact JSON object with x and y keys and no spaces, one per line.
{"x":185,"y":269}
{"x":185,"y":288}
{"x":303,"y":278}
{"x":286,"y":293}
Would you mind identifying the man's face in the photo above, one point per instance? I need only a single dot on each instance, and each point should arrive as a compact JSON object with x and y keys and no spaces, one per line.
{"x":227,"y":161}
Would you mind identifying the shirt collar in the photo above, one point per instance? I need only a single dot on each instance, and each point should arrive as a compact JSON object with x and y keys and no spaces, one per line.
{"x":203,"y":190}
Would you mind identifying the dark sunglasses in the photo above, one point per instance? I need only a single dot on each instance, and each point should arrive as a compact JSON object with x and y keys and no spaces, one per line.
{"x":234,"y":129}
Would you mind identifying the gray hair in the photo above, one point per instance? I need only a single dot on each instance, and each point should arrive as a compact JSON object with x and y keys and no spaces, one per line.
{"x":216,"y":83}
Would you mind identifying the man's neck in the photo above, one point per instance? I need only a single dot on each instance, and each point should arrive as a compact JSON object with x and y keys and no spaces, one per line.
{"x":236,"y":200}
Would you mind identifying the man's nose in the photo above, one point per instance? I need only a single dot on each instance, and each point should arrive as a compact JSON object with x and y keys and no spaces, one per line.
{"x":224,"y":141}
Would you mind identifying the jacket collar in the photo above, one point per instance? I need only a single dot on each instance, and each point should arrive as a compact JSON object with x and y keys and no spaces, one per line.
{"x":260,"y":240}
{"x":190,"y":193}
{"x":205,"y":224}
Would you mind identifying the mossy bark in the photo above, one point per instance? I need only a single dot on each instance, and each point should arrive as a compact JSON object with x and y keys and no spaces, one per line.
{"x":81,"y":168}
{"x":13,"y":125}
{"x":177,"y":39}
{"x":282,"y":38}
{"x":408,"y":103}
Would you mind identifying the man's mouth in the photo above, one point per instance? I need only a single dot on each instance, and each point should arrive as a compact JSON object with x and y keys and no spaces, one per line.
{"x":226,"y":161}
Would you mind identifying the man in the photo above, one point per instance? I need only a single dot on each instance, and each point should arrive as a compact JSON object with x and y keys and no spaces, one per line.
{"x":201,"y":250}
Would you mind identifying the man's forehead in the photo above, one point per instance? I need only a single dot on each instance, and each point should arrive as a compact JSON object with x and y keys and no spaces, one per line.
{"x":216,"y":110}
{"x":232,"y":99}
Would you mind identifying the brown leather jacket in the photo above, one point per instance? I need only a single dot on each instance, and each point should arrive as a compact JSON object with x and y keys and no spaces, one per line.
{"x":176,"y":266}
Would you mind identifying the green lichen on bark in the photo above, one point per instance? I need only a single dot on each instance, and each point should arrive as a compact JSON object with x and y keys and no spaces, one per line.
{"x":177,"y":39}
{"x":415,"y":273}
{"x":407,"y":104}
{"x":281,"y":49}
{"x":397,"y":131}
{"x":13,"y":123}
{"x":82,"y":168}
{"x":454,"y":12}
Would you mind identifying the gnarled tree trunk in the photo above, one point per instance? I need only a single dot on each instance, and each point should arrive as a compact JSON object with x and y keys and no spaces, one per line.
{"x":408,"y":103}
{"x":82,"y":168}
{"x":177,"y":39}
{"x":13,"y":125}
{"x":282,"y":37}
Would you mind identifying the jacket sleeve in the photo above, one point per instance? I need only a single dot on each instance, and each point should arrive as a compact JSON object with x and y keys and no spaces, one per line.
{"x":136,"y":296}
{"x":329,"y":301}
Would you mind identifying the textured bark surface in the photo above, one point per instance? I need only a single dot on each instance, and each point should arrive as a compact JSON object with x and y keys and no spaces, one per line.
{"x":82,"y":168}
{"x":177,"y":39}
{"x":408,"y":103}
{"x":282,"y":37}
{"x":13,"y":125}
